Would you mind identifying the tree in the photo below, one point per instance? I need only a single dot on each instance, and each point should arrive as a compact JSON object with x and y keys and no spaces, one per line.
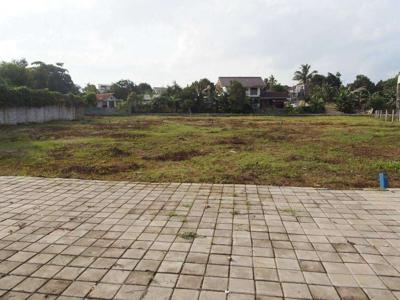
{"x":90,"y":88}
{"x":122,"y":88}
{"x":271,"y":84}
{"x":14,"y":73}
{"x":135,"y":103}
{"x":237,"y":99}
{"x":345,"y":101}
{"x":143,"y":88}
{"x":304,"y":75}
{"x":90,"y":99}
{"x":318,"y":80}
{"x":362,"y":81}
{"x":334,"y":80}
{"x":53,"y":77}
{"x":317,"y":100}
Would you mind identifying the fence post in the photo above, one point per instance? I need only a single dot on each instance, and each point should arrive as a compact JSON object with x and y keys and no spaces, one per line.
{"x":386,"y":115}
{"x":392,"y":115}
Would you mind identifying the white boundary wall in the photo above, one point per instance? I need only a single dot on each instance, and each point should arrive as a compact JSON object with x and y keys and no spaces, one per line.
{"x":17,"y":115}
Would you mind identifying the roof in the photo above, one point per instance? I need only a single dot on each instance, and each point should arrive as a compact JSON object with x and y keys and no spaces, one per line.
{"x":247,"y":82}
{"x":104,"y":96}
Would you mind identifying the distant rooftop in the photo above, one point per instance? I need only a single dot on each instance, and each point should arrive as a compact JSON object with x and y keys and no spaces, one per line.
{"x":247,"y":82}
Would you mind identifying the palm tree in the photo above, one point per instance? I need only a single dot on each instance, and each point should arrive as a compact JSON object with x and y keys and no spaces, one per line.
{"x":304,"y":76}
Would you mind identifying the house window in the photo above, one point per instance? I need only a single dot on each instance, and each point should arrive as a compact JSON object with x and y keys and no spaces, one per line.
{"x":111,"y":104}
{"x":253,"y":91}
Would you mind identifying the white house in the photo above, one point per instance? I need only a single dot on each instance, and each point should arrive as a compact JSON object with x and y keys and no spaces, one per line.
{"x":253,"y":85}
{"x":103,"y":88}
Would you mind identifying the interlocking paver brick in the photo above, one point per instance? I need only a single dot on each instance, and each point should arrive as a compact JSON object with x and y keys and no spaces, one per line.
{"x":30,"y":285}
{"x":104,"y":291}
{"x":121,"y":240}
{"x":79,"y":289}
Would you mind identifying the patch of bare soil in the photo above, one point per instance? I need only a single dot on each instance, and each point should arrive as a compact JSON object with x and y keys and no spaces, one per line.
{"x":234,"y":141}
{"x":373,"y":151}
{"x":63,"y":152}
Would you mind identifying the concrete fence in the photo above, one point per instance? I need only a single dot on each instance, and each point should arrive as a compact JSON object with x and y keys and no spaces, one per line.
{"x":17,"y":115}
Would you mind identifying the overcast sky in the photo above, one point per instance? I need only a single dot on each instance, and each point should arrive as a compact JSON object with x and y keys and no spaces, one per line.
{"x":158,"y":41}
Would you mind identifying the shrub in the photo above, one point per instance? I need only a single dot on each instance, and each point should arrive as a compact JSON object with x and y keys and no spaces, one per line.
{"x":345,"y":101}
{"x":23,"y":96}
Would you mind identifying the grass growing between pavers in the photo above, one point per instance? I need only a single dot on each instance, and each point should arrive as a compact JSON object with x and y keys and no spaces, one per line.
{"x":326,"y":151}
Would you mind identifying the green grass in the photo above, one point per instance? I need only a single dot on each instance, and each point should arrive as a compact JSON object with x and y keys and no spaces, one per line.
{"x":323,"y":151}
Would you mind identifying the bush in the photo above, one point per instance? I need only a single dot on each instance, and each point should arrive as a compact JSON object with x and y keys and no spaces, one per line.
{"x":23,"y":96}
{"x":345,"y":101}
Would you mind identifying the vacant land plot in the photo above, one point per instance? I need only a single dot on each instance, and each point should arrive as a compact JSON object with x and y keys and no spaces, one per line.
{"x":335,"y":152}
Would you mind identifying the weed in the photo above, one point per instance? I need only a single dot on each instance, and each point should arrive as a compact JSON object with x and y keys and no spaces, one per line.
{"x":172,"y":214}
{"x":290,"y":211}
{"x":190,"y":235}
{"x":188,"y":205}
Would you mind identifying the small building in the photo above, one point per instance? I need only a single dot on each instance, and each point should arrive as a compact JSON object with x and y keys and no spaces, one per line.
{"x":107,"y":100}
{"x":159,"y":91}
{"x":297,"y":92}
{"x":103,"y":88}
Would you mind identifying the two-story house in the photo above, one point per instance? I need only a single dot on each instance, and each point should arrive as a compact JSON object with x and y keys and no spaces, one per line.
{"x":253,"y":85}
{"x":261,"y":99}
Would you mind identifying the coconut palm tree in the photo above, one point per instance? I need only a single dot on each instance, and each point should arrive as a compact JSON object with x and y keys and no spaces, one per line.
{"x":304,"y":76}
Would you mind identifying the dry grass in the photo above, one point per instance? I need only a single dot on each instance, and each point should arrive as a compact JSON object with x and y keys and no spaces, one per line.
{"x":334,"y":152}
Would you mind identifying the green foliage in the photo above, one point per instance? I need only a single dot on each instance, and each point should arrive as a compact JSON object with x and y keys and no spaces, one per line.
{"x":271,"y":84}
{"x":304,"y":75}
{"x":90,"y":88}
{"x":23,"y":96}
{"x":362,"y":81}
{"x":14,"y":73}
{"x":122,"y":88}
{"x":135,"y":103}
{"x":237,"y":99}
{"x":144,"y":88}
{"x":345,"y":101}
{"x":388,"y":165}
{"x":317,"y":100}
{"x":90,"y":99}
{"x":38,"y":76}
{"x":52,"y":77}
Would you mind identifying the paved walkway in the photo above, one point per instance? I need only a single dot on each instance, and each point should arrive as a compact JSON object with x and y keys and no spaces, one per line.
{"x":69,"y":239}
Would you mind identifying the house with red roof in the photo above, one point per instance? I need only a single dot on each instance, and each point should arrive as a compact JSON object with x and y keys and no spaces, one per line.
{"x":107,"y":101}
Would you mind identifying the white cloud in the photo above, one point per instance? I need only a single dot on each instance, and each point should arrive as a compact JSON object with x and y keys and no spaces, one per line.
{"x":160,"y":41}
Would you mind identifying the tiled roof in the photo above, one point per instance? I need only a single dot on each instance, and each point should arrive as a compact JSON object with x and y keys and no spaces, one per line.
{"x":247,"y":82}
{"x":105,"y":96}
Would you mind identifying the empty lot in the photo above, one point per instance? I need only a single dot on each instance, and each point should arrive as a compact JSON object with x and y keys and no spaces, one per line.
{"x":334,"y":152}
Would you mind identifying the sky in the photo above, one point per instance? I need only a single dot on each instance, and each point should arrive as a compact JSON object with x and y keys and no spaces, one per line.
{"x":161,"y":41}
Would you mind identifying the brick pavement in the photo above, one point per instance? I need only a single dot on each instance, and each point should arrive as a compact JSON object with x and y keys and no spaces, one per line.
{"x":73,"y":239}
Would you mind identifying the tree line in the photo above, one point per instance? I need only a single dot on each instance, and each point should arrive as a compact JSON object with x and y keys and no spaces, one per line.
{"x":360,"y":95}
{"x":21,"y":80}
